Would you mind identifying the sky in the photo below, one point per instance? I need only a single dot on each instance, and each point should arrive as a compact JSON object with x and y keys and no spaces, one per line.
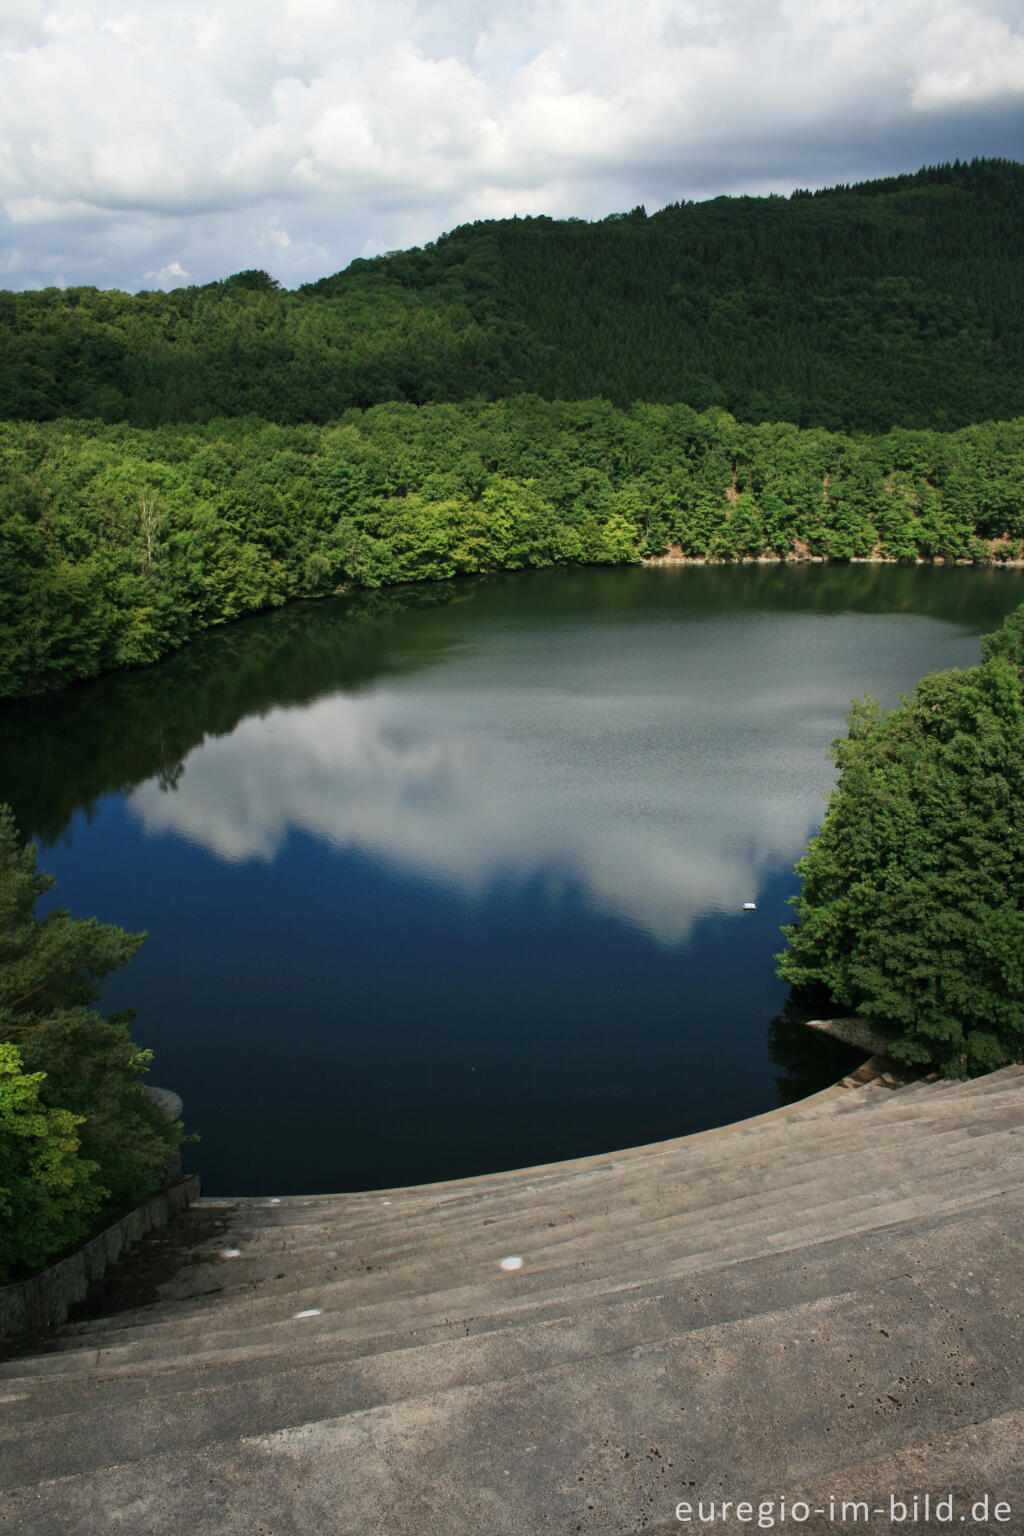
{"x":157,"y":143}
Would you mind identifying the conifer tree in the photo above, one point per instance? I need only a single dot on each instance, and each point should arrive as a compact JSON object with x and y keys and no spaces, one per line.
{"x":51,"y":974}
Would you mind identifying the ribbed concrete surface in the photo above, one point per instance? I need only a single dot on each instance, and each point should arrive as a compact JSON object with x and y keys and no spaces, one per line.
{"x":828,"y":1297}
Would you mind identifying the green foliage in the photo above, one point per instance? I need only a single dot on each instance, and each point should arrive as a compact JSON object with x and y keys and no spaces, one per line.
{"x":254,"y":280}
{"x":912,"y":904}
{"x":51,"y":973}
{"x":48,"y":1193}
{"x":246,"y":446}
{"x":897,"y":302}
{"x":1008,"y":641}
{"x":117,"y":543}
{"x":50,"y":964}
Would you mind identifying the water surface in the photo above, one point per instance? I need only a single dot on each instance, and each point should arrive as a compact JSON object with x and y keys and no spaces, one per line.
{"x":451,"y":879}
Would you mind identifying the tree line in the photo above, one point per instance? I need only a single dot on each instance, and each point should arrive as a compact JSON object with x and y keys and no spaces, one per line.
{"x":896,"y":302}
{"x":118,"y":544}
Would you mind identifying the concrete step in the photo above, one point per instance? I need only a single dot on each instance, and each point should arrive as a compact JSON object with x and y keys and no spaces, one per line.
{"x":875,"y":1095}
{"x":462,"y":1285}
{"x":533,"y":1180}
{"x":922,"y":1082}
{"x":671,"y":1204}
{"x":638,"y":1416}
{"x":192,"y":1403}
{"x":740,"y":1288}
{"x":262,"y":1257}
{"x":409,"y":1206}
{"x":605,"y":1183}
{"x":793,"y":1296}
{"x":197,"y":1405}
{"x":917,"y":1110}
{"x":982,"y":1457}
{"x":777,"y":1167}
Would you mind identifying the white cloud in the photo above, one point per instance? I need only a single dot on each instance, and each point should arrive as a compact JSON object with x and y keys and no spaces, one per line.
{"x":660,"y":814}
{"x":978,"y":61}
{"x":348,"y":123}
{"x":448,"y":808}
{"x":170,"y":276}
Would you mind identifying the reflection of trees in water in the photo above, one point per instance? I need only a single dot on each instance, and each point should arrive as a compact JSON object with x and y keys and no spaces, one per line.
{"x":809,"y":1059}
{"x":61,"y":753}
{"x":168,"y":778}
{"x":127,"y":727}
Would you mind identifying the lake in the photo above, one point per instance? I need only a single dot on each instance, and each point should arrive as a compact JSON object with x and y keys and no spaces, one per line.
{"x":449,"y":879}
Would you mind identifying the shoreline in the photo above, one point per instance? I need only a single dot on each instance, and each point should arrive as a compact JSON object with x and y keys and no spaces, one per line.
{"x":673,"y":557}
{"x":676,"y":557}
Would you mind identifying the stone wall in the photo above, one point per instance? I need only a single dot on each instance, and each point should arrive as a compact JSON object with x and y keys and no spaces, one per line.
{"x":45,"y":1299}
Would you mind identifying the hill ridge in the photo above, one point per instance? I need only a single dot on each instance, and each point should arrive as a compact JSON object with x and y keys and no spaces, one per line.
{"x":895,"y":303}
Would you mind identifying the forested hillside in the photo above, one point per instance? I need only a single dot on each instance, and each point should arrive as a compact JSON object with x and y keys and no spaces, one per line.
{"x":893,"y":303}
{"x":831,"y":375}
{"x":117,"y":544}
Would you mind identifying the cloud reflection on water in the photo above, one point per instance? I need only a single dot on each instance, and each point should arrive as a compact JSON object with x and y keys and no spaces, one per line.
{"x":662,"y":791}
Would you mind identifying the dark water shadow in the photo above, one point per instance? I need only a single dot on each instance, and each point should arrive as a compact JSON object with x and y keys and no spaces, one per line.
{"x":809,"y":1059}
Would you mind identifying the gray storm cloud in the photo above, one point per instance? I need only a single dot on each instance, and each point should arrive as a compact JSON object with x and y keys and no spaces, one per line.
{"x":178,"y":142}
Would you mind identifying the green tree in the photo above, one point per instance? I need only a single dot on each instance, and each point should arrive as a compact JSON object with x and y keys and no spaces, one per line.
{"x":48,"y":1192}
{"x":911,"y":909}
{"x":118,"y":544}
{"x":51,"y":973}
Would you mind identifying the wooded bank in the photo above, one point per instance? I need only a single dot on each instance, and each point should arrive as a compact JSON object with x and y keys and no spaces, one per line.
{"x":117,"y":544}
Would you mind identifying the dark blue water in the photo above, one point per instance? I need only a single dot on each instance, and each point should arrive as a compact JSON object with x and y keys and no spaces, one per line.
{"x":452,"y":882}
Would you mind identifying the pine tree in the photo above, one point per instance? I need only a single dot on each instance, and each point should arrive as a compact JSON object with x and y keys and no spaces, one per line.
{"x":51,"y":974}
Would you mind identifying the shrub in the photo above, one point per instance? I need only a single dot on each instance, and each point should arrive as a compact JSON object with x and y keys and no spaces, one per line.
{"x":48,"y":1191}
